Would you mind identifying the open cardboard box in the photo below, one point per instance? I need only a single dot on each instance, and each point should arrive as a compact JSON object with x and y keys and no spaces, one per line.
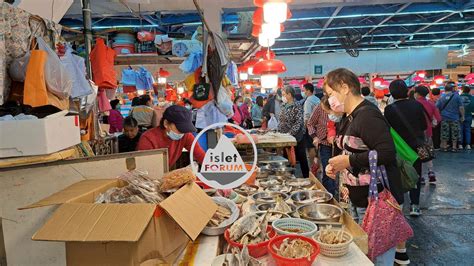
{"x":123,"y":234}
{"x":359,"y":235}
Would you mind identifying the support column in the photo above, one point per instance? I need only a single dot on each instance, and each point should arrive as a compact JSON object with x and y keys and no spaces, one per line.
{"x":87,"y":20}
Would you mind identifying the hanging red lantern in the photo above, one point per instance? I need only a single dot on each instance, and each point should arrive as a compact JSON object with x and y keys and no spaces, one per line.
{"x":256,"y":30}
{"x":269,"y":70}
{"x":470,"y":82}
{"x":439,"y":79}
{"x":162,"y":75}
{"x":469,"y":76}
{"x":362,"y":80}
{"x":250,"y":64}
{"x":265,"y":54}
{"x":320,"y":83}
{"x":378,"y":81}
{"x":242,"y":69}
{"x":421,"y":74}
{"x":433,"y":85}
{"x":257,"y":18}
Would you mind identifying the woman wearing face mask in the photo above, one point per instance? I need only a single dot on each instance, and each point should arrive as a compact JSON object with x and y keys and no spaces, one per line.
{"x":363,"y":128}
{"x":238,"y":115}
{"x":322,"y":129}
{"x":291,"y":122}
{"x":174,"y":133}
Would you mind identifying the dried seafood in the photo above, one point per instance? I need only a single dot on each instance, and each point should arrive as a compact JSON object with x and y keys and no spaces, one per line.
{"x":331,"y":236}
{"x":294,"y":249}
{"x":250,"y":229}
{"x":177,"y":178}
{"x":219,"y":216}
{"x":240,"y":258}
{"x":281,"y":205}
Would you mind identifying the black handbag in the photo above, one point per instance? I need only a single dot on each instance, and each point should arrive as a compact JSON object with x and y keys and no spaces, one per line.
{"x":201,"y":91}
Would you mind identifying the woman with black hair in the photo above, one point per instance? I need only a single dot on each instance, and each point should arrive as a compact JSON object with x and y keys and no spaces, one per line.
{"x":292,"y":122}
{"x":115,"y":117}
{"x":256,"y":111}
{"x":131,"y":135}
{"x":144,"y":113}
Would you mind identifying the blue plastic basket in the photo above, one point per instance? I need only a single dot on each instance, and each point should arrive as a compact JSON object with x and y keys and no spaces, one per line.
{"x":308,"y":228}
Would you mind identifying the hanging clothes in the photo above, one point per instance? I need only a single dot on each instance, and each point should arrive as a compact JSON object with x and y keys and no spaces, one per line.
{"x":102,"y":62}
{"x":192,"y":62}
{"x":144,"y":79}
{"x":232,"y":73}
{"x":35,"y":93}
{"x":209,"y":114}
{"x":129,"y":77}
{"x":104,"y":104}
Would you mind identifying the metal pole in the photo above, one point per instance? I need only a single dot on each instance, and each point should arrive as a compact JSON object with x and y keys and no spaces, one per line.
{"x":87,"y":22}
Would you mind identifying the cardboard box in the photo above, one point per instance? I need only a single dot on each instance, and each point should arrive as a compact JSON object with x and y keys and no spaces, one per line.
{"x":123,"y":234}
{"x":38,"y":137}
{"x":359,"y":235}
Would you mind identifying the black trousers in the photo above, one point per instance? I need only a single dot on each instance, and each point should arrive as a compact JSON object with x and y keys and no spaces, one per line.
{"x":415,"y":193}
{"x":300,"y":154}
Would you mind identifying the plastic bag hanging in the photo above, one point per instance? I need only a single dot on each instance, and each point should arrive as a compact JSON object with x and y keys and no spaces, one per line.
{"x":58,"y":80}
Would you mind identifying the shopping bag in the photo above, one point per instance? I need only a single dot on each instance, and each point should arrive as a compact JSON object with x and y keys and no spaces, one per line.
{"x":402,"y":148}
{"x":272,"y":123}
{"x":17,"y":69}
{"x":224,"y":103}
{"x":35,"y":93}
{"x":56,"y":75}
{"x":408,"y":174}
{"x":384,"y":221}
{"x":75,"y":66}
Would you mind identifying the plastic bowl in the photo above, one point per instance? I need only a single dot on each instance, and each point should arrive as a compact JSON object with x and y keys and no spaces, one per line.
{"x":282,"y":261}
{"x":255,"y":250}
{"x":284,"y":225}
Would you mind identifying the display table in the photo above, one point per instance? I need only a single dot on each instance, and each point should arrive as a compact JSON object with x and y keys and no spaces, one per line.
{"x":271,"y":140}
{"x":206,"y":248}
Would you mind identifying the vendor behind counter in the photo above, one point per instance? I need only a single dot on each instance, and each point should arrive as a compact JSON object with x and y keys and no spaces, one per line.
{"x":174,"y":133}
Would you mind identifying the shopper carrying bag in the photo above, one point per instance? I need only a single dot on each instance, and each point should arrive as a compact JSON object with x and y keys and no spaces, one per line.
{"x":383,"y":234}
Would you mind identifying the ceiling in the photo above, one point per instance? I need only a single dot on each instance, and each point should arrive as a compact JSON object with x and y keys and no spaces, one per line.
{"x":314,"y":28}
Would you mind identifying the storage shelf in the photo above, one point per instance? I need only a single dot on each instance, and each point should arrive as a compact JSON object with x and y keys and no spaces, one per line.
{"x":144,"y":59}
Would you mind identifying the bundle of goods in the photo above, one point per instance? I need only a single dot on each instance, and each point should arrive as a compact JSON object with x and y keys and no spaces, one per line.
{"x":236,"y":258}
{"x":141,"y":188}
{"x":124,"y":43}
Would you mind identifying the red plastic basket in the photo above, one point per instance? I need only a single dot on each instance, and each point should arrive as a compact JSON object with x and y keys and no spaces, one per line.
{"x":255,"y":250}
{"x":281,"y":261}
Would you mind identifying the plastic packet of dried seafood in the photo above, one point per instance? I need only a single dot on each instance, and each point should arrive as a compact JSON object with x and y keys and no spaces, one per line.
{"x":177,"y":178}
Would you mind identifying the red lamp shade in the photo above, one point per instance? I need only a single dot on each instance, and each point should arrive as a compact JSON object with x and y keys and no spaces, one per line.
{"x":269,"y":66}
{"x":163,"y":73}
{"x":439,"y":79}
{"x":418,"y":79}
{"x":421,"y":74}
{"x":470,"y":82}
{"x":251,"y":62}
{"x":362,"y":80}
{"x":469,"y":76}
{"x":242,"y":68}
{"x":256,"y":30}
{"x":378,"y":81}
{"x":257,"y":18}
{"x":265,"y":54}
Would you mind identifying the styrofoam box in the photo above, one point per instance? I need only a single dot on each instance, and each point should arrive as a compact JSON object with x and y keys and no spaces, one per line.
{"x":38,"y":137}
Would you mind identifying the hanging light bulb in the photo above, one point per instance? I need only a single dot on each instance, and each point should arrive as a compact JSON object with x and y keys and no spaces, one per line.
{"x":275,"y":11}
{"x":271,"y":30}
{"x":265,"y":40}
{"x":161,"y":80}
{"x":180,"y":90}
{"x":250,"y":70}
{"x":263,"y":90}
{"x":248,"y":86}
{"x":162,"y":75}
{"x":421,"y":74}
{"x":439,"y":79}
{"x":378,"y":81}
{"x":269,"y":81}
{"x":243,"y":75}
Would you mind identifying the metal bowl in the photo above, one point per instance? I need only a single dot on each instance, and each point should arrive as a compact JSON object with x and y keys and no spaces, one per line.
{"x":279,"y":188}
{"x":284,"y":171}
{"x":246,"y":190}
{"x":310,"y":196}
{"x":268,"y":197}
{"x":320,"y":212}
{"x":262,"y":174}
{"x":299,"y":182}
{"x":269,"y":182}
{"x":271,"y":206}
{"x":274,"y":215}
{"x":279,"y":164}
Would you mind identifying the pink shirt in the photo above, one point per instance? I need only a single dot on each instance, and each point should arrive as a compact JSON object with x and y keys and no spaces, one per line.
{"x":115,"y":121}
{"x":431,"y":112}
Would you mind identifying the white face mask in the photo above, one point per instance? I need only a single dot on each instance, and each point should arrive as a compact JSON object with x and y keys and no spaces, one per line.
{"x":334,"y":118}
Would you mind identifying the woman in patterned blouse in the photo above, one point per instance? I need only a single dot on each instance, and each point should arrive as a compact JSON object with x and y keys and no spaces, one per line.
{"x":291,"y":122}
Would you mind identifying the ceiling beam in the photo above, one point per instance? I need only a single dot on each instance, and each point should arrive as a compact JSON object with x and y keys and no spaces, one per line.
{"x":385,"y":20}
{"x":421,"y":29}
{"x":326,"y":25}
{"x":452,"y":35}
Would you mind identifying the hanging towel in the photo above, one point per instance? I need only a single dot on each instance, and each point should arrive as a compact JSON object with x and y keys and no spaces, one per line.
{"x":144,"y":79}
{"x":129,"y":77}
{"x":102,"y":62}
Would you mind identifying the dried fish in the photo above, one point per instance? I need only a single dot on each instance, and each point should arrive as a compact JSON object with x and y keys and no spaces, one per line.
{"x":294,"y":249}
{"x":250,"y":229}
{"x":331,"y":236}
{"x":219,"y":216}
{"x":281,"y":205}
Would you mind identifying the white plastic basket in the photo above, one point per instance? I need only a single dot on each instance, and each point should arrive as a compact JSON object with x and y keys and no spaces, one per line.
{"x":334,"y":250}
{"x":308,"y":228}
